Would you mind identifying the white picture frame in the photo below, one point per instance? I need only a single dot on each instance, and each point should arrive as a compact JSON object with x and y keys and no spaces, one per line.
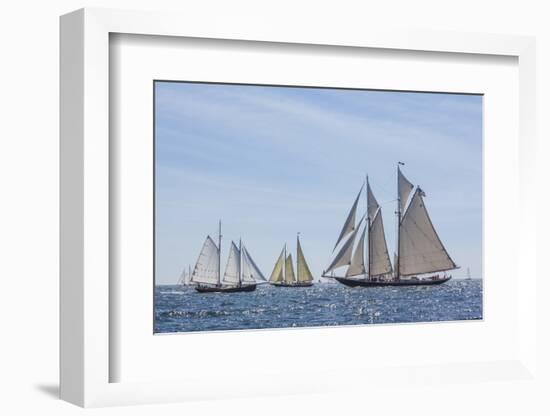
{"x":87,"y":302}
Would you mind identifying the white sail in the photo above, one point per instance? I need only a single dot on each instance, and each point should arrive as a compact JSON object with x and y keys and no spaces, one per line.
{"x":277,"y":273}
{"x":304,"y":274}
{"x":372,"y":204}
{"x":182,"y":281}
{"x":404,"y":188}
{"x":343,"y":258}
{"x":250,"y":271}
{"x":289,"y":270}
{"x":188,"y":277}
{"x":233,"y":269}
{"x":420,"y":249}
{"x":349,"y":225}
{"x":357,"y":266}
{"x":207,"y":266}
{"x":379,"y":257}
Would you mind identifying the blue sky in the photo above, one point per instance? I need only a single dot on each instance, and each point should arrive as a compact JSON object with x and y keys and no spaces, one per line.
{"x":272,"y":161}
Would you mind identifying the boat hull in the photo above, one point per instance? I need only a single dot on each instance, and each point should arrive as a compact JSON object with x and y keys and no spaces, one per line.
{"x":403,"y":282}
{"x":221,"y":289}
{"x":292,"y":284}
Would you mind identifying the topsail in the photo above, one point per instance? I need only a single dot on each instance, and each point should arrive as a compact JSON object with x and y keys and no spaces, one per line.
{"x":404,"y":188}
{"x":372,"y":204}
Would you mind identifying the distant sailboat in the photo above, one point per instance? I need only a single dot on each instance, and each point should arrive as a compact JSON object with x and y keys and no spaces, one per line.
{"x":419,"y":249}
{"x":241,"y":273}
{"x":468,"y":274}
{"x":283,"y":271}
{"x":185,"y":277}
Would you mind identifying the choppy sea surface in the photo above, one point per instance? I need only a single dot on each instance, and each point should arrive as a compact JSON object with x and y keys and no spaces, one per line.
{"x":182,"y":309}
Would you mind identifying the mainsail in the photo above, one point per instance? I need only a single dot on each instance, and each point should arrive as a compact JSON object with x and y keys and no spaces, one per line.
{"x":207,"y":266}
{"x":277,"y":274}
{"x":379,"y":262}
{"x":232,"y":273}
{"x":250,"y":272}
{"x":420,"y":249}
{"x":289,"y":270}
{"x":404,"y":188}
{"x":302,"y":269}
{"x":349,"y":225}
{"x":357,"y":266}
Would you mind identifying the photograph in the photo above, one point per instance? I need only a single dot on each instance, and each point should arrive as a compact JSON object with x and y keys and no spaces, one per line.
{"x":294,"y":207}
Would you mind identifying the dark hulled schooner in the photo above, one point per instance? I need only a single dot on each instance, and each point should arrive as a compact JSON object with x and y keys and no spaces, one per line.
{"x":241,"y":273}
{"x":283,"y":271}
{"x":419,"y":249}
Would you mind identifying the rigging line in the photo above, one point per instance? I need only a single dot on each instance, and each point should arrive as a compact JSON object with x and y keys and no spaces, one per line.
{"x":385,"y":186}
{"x":387,"y":202}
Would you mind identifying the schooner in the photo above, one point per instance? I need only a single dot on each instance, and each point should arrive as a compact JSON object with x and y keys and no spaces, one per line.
{"x":419,"y":249}
{"x":241,"y":273}
{"x":283,"y":271}
{"x":185,"y":277}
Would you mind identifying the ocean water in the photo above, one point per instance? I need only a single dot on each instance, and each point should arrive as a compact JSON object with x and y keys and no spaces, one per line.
{"x":182,"y":309}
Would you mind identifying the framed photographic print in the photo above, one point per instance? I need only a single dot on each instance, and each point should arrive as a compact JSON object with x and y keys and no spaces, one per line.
{"x":296,"y":212}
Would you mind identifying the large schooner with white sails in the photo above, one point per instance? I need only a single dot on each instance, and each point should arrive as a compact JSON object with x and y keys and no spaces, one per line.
{"x":283,"y":271}
{"x":419,"y":249}
{"x":241,"y":273}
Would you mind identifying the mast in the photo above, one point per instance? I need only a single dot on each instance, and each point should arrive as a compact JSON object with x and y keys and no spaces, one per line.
{"x":297,"y":268}
{"x":284,"y":267}
{"x":368,"y":227}
{"x":240,"y":262}
{"x":398,"y":222}
{"x":220,"y":253}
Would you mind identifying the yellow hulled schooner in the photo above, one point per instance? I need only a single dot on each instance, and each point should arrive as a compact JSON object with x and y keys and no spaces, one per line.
{"x":283,"y":271}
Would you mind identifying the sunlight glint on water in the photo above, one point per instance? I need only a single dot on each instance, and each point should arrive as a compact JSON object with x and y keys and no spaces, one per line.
{"x":182,"y":309}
